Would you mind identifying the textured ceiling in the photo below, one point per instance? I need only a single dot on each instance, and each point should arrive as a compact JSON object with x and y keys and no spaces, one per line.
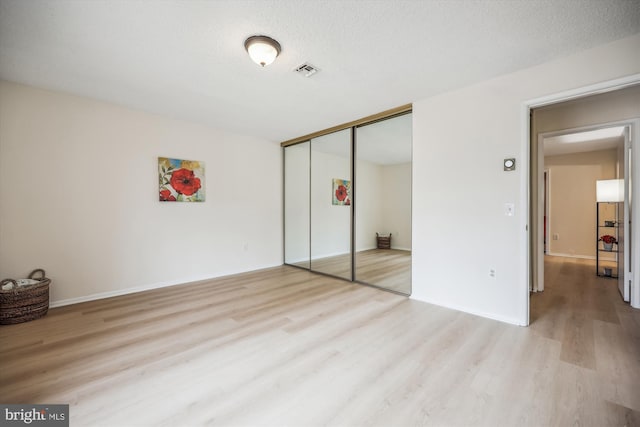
{"x":185,"y":59}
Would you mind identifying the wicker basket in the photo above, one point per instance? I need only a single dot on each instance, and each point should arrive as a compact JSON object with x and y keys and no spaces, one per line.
{"x":24,"y":303}
{"x":384,"y":242}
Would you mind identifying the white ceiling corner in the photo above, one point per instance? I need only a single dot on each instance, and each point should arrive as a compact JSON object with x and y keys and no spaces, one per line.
{"x":186,"y":59}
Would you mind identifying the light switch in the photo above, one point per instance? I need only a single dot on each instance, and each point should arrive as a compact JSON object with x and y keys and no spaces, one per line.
{"x":509,"y":209}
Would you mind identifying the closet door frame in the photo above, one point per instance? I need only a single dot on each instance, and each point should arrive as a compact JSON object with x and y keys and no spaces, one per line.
{"x":385,"y":115}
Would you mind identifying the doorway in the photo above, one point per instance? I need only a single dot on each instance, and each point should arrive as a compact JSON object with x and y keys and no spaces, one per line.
{"x":613,"y":105}
{"x":579,"y":160}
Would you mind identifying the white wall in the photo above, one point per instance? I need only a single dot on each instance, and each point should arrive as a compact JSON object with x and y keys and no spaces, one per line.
{"x":460,"y":138}
{"x":369,"y":213}
{"x":572,"y":200}
{"x":79,"y":197}
{"x":330,"y":224}
{"x":395,"y":196}
{"x":384,"y":204}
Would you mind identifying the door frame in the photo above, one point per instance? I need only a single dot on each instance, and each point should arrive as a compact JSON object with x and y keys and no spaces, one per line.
{"x":630,"y":124}
{"x":547,"y":211}
{"x":526,"y":181}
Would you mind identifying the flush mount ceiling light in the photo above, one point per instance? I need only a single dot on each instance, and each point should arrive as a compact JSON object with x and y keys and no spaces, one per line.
{"x":263,"y":50}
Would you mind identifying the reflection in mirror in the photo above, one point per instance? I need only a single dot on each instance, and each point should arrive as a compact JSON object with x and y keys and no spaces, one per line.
{"x":296,"y":205}
{"x":331,"y":204}
{"x":383,"y":204}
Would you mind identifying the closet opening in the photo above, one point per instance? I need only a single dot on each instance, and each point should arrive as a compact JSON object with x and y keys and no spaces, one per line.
{"x":347,"y":201}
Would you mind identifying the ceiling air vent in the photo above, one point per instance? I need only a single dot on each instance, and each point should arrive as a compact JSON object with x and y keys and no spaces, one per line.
{"x":306,"y":69}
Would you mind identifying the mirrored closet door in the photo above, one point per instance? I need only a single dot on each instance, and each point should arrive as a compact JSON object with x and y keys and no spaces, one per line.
{"x":383,"y":204}
{"x":297,"y":229}
{"x":347,"y":202}
{"x":331,"y":203}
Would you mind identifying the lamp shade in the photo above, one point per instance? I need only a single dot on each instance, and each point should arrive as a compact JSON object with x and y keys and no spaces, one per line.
{"x":610,"y":190}
{"x":263,"y":50}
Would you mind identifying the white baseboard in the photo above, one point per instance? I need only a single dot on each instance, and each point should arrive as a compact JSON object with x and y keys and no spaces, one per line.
{"x":297,"y":261}
{"x":493,"y":316}
{"x":149,"y":287}
{"x":331,"y":255}
{"x":368,"y":248}
{"x":400,"y":249}
{"x":570,"y":256}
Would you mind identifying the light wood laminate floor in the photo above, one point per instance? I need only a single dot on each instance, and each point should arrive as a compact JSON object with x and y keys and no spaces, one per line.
{"x":384,"y":268}
{"x":287,"y":347}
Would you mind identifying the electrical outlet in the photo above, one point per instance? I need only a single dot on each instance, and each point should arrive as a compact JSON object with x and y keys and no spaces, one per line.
{"x":509,"y":209}
{"x":492,"y":273}
{"x":556,"y":236}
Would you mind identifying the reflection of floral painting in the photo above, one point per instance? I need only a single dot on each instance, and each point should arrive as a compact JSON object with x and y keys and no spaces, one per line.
{"x":341,"y":192}
{"x":180,"y":180}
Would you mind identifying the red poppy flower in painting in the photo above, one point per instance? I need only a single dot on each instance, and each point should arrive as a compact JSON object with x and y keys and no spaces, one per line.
{"x":185,"y":182}
{"x":341,"y":193}
{"x":165,"y":196}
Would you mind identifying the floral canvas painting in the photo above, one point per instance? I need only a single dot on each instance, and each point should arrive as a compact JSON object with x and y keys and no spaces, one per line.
{"x":341,"y":192}
{"x":180,"y":180}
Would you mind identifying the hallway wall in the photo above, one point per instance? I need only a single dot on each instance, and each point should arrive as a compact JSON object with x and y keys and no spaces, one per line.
{"x":572,"y":200}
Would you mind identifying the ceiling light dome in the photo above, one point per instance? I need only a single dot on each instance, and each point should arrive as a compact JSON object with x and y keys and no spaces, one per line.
{"x":263,"y":50}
